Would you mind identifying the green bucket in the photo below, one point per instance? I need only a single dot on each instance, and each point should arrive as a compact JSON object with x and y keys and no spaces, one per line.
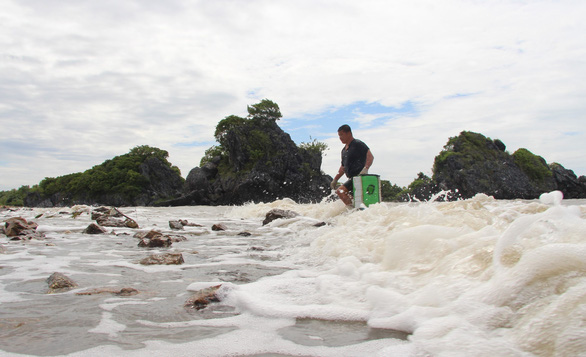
{"x":366,"y":190}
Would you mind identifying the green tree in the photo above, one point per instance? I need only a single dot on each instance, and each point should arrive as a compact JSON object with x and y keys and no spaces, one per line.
{"x":266,"y":110}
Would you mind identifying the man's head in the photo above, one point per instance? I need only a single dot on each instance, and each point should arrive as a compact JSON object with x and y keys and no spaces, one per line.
{"x":345,"y":134}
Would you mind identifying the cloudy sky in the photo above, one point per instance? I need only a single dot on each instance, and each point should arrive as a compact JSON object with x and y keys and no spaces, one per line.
{"x":82,"y":81}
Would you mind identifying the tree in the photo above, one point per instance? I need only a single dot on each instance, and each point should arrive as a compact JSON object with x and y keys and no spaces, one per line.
{"x":266,"y":110}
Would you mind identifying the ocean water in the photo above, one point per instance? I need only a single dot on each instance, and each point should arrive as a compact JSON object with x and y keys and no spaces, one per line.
{"x":479,"y":277}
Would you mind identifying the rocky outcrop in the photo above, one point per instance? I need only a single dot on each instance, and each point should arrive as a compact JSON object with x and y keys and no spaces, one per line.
{"x":261,"y":163}
{"x":133,"y":179}
{"x":472,"y":163}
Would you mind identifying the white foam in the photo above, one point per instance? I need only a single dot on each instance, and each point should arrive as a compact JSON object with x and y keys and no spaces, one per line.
{"x":478,"y":276}
{"x":108,"y":326}
{"x":552,"y":198}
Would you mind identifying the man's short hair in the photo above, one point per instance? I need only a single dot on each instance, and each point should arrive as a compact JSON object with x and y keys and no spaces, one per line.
{"x":345,"y":128}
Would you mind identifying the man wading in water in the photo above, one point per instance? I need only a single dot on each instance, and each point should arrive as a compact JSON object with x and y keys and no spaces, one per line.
{"x":356,"y":160}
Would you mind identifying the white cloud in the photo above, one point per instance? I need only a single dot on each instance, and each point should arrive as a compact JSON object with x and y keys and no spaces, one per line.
{"x":82,"y":81}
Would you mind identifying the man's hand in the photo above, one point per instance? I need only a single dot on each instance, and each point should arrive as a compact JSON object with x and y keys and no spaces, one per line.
{"x":333,"y":184}
{"x":364,"y":171}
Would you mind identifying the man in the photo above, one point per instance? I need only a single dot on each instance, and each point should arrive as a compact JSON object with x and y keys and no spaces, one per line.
{"x":356,"y":160}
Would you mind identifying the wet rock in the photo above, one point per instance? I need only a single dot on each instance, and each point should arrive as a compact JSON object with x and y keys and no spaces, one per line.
{"x":121,"y":292}
{"x":155,"y":239}
{"x":20,"y":229}
{"x":203,"y":298}
{"x":163,"y":259}
{"x":148,"y":235}
{"x":189,"y":224}
{"x":94,"y":229}
{"x":245,"y":234}
{"x":107,"y":221}
{"x":58,"y":282}
{"x":105,"y":211}
{"x":180,"y":223}
{"x":176,"y":225}
{"x":176,"y":239}
{"x":219,"y":227}
{"x":320,"y":224}
{"x":278,"y":213}
{"x":159,"y":241}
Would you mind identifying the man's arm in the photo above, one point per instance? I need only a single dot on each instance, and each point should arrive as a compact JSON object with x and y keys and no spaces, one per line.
{"x":337,"y":177}
{"x":368,"y":164}
{"x":369,"y":159}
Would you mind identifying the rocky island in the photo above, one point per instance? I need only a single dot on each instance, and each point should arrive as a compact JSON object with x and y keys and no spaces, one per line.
{"x":256,"y":161}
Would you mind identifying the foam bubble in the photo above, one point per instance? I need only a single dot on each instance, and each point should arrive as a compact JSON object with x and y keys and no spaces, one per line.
{"x":552,"y":198}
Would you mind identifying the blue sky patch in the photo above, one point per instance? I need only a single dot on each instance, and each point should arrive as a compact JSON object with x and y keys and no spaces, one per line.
{"x":359,"y":115}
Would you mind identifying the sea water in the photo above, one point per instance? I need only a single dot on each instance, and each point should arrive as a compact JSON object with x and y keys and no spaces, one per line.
{"x":478,"y":277}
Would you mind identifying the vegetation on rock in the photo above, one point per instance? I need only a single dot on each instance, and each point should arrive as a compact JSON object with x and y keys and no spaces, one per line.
{"x":123,"y":177}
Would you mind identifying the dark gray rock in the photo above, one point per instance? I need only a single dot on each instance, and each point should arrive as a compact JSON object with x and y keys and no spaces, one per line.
{"x":277,"y":170}
{"x":472,"y":163}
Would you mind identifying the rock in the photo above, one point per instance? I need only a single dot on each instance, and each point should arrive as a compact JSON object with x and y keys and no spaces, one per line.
{"x":155,"y":239}
{"x":148,"y":235}
{"x":203,"y":298}
{"x":245,"y":234}
{"x":320,"y":224}
{"x":277,"y":213}
{"x":58,"y":282}
{"x":472,"y":164}
{"x":108,"y":221}
{"x":157,"y":242}
{"x":20,"y":229}
{"x":17,"y":226}
{"x":121,"y":292}
{"x":163,"y":259}
{"x":259,"y":163}
{"x":159,"y":180}
{"x":567,"y":182}
{"x":126,"y":292}
{"x":94,"y":229}
{"x":178,"y":225}
{"x":219,"y":227}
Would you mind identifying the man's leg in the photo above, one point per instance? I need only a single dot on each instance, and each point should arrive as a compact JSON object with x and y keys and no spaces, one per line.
{"x":344,"y":195}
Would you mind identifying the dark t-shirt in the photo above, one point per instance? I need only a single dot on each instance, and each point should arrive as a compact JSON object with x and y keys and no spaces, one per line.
{"x":354,"y":158}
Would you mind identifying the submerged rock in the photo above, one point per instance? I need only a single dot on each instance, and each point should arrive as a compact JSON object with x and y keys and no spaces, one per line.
{"x":121,"y":292}
{"x":203,"y":298}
